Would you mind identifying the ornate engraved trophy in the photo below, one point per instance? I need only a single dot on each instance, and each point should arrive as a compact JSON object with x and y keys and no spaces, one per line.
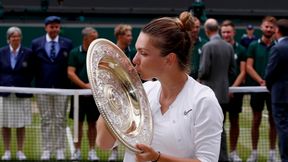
{"x":119,"y":94}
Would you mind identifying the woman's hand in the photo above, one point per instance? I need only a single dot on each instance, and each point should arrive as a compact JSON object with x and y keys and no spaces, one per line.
{"x":147,"y":154}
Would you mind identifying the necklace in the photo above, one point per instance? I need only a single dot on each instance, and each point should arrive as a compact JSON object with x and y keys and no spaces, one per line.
{"x":165,"y":102}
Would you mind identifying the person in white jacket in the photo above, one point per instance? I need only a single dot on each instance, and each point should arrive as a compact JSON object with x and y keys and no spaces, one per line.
{"x":187,"y":117}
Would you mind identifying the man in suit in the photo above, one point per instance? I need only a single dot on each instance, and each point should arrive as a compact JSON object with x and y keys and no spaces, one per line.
{"x":277,"y":83}
{"x":51,"y":54}
{"x":216,"y":64}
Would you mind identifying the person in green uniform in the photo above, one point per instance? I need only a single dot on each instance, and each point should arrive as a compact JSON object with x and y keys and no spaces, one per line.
{"x":124,"y":37}
{"x":257,"y":60}
{"x":77,"y":73}
{"x":198,"y":42}
{"x":236,"y":100}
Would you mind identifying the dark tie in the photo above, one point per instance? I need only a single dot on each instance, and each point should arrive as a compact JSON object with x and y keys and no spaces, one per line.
{"x":52,"y":51}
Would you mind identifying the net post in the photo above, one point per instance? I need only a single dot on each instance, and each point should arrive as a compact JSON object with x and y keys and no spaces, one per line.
{"x":76,"y":116}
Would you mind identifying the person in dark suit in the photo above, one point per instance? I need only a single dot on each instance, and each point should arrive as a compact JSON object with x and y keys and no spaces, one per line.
{"x":16,"y":64}
{"x":277,"y":83}
{"x":51,"y":54}
{"x":216,"y":64}
{"x":249,"y":36}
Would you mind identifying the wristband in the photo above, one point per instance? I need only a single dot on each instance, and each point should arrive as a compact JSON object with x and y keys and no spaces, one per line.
{"x":157,"y":157}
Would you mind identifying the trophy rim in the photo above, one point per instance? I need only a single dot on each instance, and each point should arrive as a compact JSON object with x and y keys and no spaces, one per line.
{"x":144,"y":131}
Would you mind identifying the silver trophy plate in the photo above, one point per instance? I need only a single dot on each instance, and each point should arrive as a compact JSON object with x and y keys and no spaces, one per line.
{"x":119,"y":94}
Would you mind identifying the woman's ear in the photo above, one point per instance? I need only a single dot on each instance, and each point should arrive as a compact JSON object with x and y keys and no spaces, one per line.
{"x":171,"y":58}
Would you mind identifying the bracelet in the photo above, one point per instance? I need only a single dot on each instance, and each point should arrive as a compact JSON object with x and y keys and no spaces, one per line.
{"x":157,"y":157}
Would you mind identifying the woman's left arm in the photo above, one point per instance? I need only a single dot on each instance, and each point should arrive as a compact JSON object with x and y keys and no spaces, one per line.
{"x":149,"y":154}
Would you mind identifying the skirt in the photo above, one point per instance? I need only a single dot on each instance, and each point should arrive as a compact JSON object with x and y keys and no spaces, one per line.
{"x":15,"y":112}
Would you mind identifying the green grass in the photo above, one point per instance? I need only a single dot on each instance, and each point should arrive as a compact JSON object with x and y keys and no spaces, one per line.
{"x":244,"y":146}
{"x":32,"y":146}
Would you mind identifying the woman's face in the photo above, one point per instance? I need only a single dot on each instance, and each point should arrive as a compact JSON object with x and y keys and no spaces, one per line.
{"x":148,"y":61}
{"x":15,"y":39}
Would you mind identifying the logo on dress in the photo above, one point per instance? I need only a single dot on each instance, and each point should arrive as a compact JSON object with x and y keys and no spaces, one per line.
{"x":187,"y":111}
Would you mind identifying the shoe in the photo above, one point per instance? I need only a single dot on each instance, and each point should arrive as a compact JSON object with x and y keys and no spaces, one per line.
{"x":272,"y":157}
{"x":253,"y":158}
{"x":60,"y":154}
{"x":114,"y":156}
{"x":92,"y":155}
{"x":76,"y":155}
{"x":234,"y":157}
{"x":20,"y":155}
{"x":7,"y":155}
{"x":45,"y":155}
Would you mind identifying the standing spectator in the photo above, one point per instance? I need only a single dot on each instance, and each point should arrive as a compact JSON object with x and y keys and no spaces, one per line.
{"x":198,"y":42}
{"x":249,"y":37}
{"x":257,"y":59}
{"x":236,"y":100}
{"x":16,"y":67}
{"x":184,"y":129}
{"x":277,"y":83}
{"x":216,"y":64}
{"x":123,"y":34}
{"x":51,"y":52}
{"x":77,"y":73}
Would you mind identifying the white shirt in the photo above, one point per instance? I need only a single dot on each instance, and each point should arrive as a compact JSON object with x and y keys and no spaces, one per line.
{"x":192,"y":126}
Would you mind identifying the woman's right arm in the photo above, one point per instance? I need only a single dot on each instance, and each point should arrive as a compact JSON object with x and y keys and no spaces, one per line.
{"x":104,"y":140}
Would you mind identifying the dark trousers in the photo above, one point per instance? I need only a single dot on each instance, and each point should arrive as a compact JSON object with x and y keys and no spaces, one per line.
{"x":280,"y":116}
{"x":223,"y":157}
